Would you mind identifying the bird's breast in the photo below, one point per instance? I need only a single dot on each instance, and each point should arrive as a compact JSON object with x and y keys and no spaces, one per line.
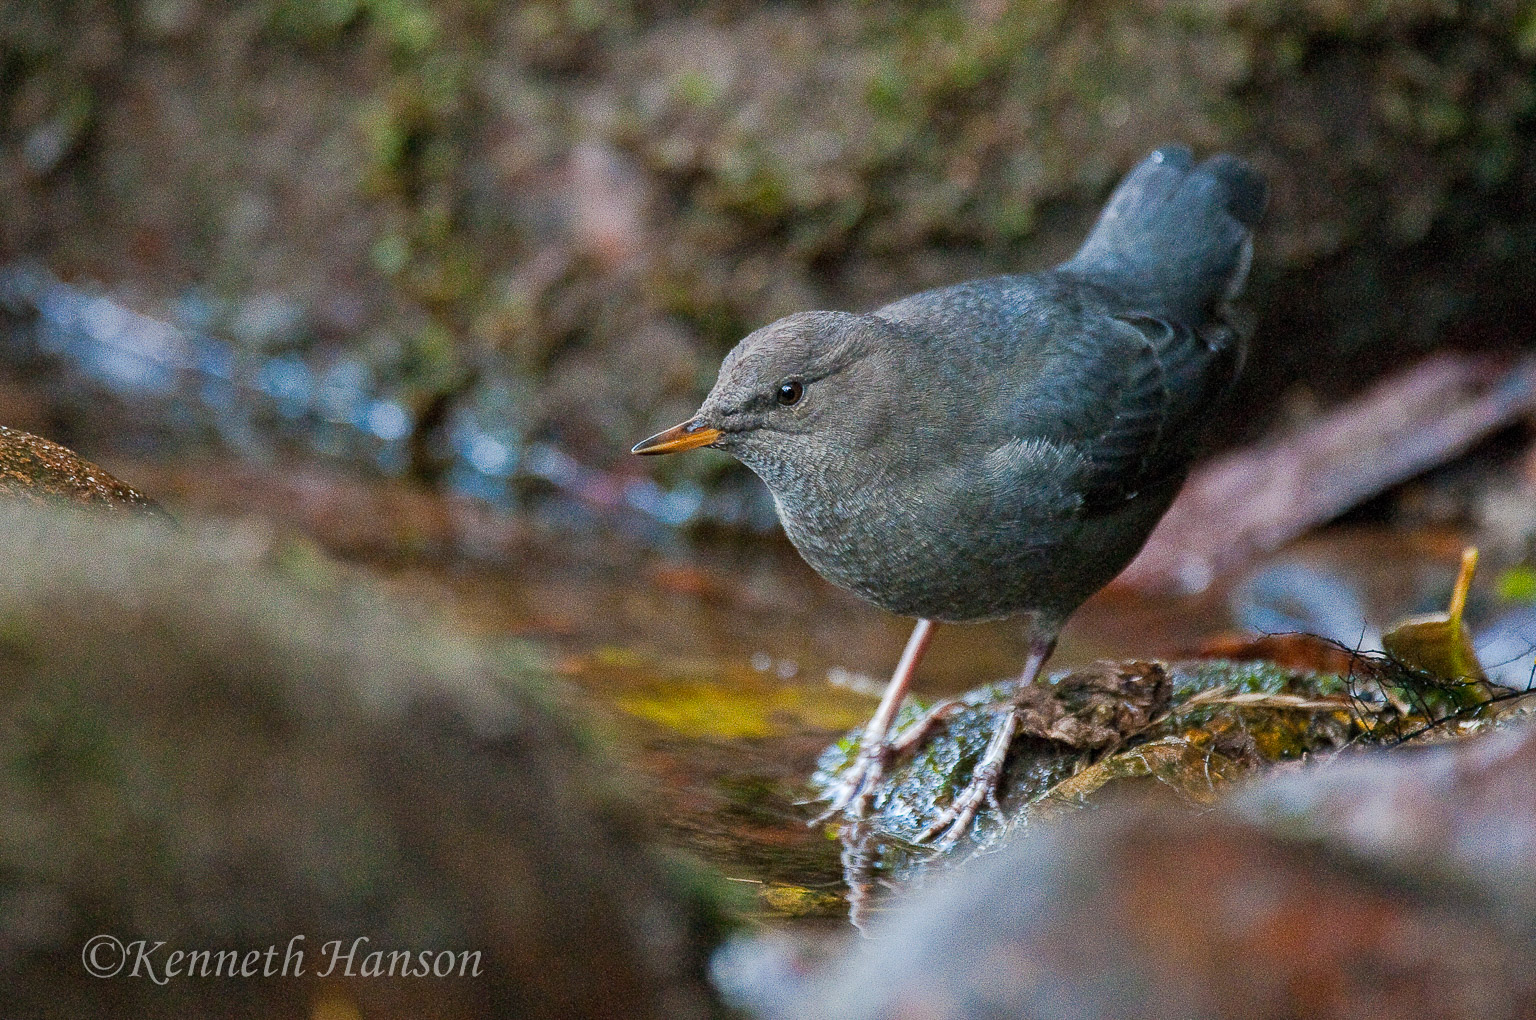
{"x":956,"y":549}
{"x":920,"y":552}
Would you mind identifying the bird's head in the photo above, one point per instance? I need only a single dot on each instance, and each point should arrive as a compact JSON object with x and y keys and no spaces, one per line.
{"x":802,"y":391}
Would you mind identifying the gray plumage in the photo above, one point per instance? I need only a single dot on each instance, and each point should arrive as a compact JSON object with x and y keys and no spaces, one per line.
{"x":1005,"y":445}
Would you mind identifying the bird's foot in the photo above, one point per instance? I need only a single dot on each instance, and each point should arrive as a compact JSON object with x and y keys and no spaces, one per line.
{"x":955,"y":821}
{"x":852,"y":794}
{"x":854,"y":790}
{"x":917,"y":731}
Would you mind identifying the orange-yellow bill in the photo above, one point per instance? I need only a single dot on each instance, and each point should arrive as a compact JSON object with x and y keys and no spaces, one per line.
{"x":687,"y":436}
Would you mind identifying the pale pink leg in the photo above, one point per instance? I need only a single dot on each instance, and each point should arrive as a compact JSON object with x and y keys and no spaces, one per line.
{"x":982,"y":789}
{"x":857,"y":785}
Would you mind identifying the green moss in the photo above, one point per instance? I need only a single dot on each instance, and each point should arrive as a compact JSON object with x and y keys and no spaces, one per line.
{"x":409,"y":26}
{"x":1191,"y":678}
{"x":697,"y":89}
{"x":1525,"y":31}
{"x":314,"y":22}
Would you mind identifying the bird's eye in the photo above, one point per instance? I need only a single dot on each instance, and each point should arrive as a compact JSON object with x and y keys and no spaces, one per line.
{"x":789,"y":393}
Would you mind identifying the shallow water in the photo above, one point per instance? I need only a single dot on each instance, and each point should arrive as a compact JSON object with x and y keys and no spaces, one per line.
{"x":724,"y":670}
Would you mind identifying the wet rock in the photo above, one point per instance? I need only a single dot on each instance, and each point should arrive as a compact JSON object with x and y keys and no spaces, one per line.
{"x":1180,"y":733}
{"x":220,"y":746}
{"x":35,"y":470}
{"x":1183,"y":729}
{"x":1379,"y":884}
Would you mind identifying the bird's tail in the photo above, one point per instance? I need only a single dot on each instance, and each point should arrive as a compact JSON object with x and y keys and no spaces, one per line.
{"x":1177,"y":236}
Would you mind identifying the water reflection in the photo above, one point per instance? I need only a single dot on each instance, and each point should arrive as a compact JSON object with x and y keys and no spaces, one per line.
{"x":1292,"y":596}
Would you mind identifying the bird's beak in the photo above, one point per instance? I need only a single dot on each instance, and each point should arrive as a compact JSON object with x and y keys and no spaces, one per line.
{"x":687,"y":436}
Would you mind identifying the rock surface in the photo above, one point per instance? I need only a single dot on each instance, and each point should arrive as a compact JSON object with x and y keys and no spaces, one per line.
{"x":38,"y":470}
{"x":1380,"y":884}
{"x":1180,"y":733}
{"x":218,"y":745}
{"x":1184,"y":729}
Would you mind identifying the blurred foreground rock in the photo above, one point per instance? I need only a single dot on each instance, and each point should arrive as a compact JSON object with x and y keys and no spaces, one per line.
{"x":1377,"y":885}
{"x":201,"y":747}
{"x":37,"y":470}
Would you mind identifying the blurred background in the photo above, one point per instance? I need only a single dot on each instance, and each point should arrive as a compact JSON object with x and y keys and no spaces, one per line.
{"x":399,"y":283}
{"x":543,"y":223}
{"x":482,"y":248}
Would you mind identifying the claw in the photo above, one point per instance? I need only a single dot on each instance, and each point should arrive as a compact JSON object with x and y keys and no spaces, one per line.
{"x":918,"y":730}
{"x":853,"y":792}
{"x":955,"y":821}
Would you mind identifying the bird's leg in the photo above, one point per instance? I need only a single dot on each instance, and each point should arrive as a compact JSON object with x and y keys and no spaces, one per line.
{"x":852,"y":792}
{"x":918,"y":729}
{"x":982,"y":789}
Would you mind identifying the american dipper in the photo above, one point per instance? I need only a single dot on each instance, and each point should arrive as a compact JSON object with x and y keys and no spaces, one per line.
{"x":1002,"y":446}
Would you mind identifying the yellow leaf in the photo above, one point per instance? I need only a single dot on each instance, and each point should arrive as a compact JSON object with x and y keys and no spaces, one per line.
{"x":1439,"y":643}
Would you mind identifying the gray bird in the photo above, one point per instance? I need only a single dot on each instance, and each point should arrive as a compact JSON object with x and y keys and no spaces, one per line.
{"x":999,"y":447}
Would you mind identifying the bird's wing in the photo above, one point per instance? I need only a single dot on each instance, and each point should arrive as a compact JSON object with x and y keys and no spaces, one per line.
{"x":1097,"y":395}
{"x":1127,"y":396}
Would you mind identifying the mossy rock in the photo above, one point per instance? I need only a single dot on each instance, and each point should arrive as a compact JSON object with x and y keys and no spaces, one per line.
{"x":1185,"y":730}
